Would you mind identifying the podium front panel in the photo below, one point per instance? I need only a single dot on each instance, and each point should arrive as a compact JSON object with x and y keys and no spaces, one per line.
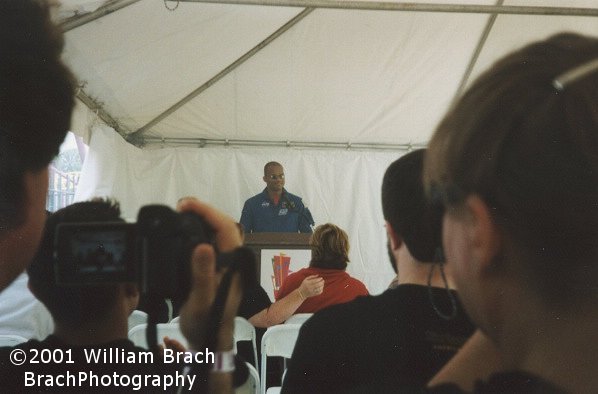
{"x":278,"y":255}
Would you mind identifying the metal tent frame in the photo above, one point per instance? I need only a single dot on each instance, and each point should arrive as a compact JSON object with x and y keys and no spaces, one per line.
{"x":137,"y":137}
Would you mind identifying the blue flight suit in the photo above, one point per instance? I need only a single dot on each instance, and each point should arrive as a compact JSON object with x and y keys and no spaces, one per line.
{"x":261,"y":215}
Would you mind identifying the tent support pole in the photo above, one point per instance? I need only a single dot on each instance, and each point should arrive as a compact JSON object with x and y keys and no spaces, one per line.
{"x":413,"y":7}
{"x":476,"y":54}
{"x":135,"y":135}
{"x":80,"y":20}
{"x":203,"y":142}
{"x":97,"y":108}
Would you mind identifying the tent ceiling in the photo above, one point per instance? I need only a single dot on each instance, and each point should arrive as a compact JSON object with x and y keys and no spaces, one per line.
{"x":345,"y":76}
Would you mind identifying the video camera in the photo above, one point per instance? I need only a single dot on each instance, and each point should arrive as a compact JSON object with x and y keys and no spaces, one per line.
{"x":155,"y":252}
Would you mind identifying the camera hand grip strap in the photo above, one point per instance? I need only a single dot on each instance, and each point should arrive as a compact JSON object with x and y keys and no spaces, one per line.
{"x":241,"y":260}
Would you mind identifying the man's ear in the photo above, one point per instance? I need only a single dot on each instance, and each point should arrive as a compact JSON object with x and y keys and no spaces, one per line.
{"x":264,"y":179}
{"x":395,"y":240}
{"x":484,"y":235}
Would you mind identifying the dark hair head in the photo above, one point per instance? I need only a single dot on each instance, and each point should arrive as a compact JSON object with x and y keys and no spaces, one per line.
{"x":68,"y":304}
{"x":530,"y":150}
{"x":405,"y":207}
{"x":271,"y":164}
{"x":329,"y":247}
{"x":36,"y":99}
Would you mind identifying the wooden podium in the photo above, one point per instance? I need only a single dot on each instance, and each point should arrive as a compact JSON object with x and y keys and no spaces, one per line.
{"x":287,"y":241}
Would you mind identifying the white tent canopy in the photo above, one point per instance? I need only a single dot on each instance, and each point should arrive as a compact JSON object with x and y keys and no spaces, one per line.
{"x":334,"y":94}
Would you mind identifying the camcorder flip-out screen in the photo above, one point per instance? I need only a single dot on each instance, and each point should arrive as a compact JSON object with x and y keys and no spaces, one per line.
{"x":95,"y":253}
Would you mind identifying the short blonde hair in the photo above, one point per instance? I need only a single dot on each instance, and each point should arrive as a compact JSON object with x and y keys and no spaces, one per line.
{"x":330,"y":247}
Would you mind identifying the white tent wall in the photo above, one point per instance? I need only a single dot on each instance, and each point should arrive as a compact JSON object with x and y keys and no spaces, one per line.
{"x":342,"y":187}
{"x":341,"y":76}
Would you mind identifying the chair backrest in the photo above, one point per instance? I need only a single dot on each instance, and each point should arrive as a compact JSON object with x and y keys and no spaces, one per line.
{"x":11,"y":340}
{"x":171,"y":330}
{"x":298,"y":318}
{"x":278,"y":341}
{"x":136,"y":318}
{"x":253,"y":383}
{"x":245,"y":331}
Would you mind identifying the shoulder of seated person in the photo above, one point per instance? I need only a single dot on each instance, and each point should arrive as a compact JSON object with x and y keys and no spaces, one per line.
{"x":347,"y":310}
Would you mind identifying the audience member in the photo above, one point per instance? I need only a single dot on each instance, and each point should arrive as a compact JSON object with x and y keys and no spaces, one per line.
{"x":275,"y":210}
{"x":36,"y":101}
{"x":401,"y":337}
{"x":330,"y":254}
{"x":515,"y":164}
{"x":257,"y":307}
{"x":87,"y":318}
{"x":259,"y":310}
{"x":21,"y":313}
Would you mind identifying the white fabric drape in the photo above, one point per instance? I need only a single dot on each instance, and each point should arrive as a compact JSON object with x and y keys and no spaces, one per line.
{"x":342,"y":187}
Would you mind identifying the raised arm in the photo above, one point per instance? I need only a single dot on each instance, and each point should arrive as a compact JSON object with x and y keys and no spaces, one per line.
{"x":284,"y":308}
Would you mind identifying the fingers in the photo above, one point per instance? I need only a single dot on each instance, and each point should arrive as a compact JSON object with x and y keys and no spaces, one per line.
{"x":228,"y":236}
{"x":204,"y":282}
{"x":174,"y":345}
{"x":203,"y":272}
{"x":312,"y":285}
{"x":318,"y":289}
{"x":314,"y":282}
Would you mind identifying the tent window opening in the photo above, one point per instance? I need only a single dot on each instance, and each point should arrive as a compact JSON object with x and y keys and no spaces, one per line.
{"x":64,"y":172}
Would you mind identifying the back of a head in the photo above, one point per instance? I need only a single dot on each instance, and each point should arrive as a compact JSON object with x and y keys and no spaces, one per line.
{"x":36,"y":99}
{"x":330,"y":247}
{"x":72,"y":305}
{"x":524,"y":138}
{"x":405,"y":207}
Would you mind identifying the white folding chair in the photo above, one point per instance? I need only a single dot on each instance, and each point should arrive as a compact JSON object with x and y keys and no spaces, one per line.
{"x":136,"y":318}
{"x":245,"y":331}
{"x":253,"y":383}
{"x":11,"y":340}
{"x":171,"y":330}
{"x":298,"y":318}
{"x":278,"y":341}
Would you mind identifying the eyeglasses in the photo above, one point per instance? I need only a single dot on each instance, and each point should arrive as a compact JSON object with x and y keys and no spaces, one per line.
{"x":274,"y":177}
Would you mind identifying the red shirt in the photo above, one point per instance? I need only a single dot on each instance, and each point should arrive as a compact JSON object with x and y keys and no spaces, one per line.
{"x":339,"y":287}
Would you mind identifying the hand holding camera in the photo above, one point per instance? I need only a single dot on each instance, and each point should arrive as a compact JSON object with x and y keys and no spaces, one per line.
{"x":205,"y":279}
{"x":178,"y":255}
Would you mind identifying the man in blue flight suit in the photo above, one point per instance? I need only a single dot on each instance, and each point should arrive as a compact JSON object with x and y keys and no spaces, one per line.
{"x":274,"y":209}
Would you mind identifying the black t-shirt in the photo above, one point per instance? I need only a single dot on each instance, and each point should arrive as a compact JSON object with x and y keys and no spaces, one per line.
{"x":515,"y":382}
{"x":504,"y":383}
{"x":394,"y":339}
{"x":254,"y":300}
